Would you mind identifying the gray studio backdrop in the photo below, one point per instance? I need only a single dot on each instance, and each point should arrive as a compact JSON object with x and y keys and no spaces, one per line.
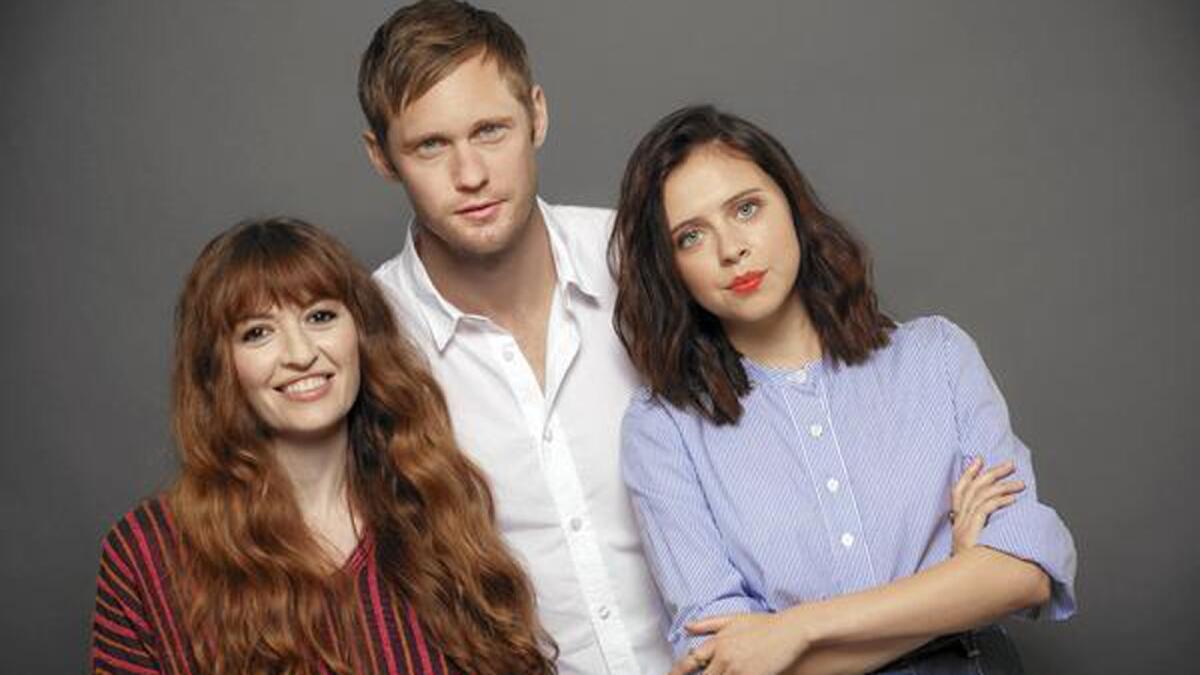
{"x":1029,"y":169}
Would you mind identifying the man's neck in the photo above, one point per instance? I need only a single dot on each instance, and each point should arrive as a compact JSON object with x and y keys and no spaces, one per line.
{"x":513,"y":287}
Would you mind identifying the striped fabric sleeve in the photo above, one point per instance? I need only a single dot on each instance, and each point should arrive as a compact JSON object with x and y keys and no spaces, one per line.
{"x":682,"y":543}
{"x":1027,"y":529}
{"x":120,"y":630}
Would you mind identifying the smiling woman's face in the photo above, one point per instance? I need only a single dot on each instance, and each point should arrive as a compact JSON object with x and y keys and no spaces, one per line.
{"x":298,"y":367}
{"x":733,"y":238}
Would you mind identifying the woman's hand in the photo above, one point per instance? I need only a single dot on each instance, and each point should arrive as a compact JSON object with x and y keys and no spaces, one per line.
{"x":743,"y":644}
{"x":975,"y":496}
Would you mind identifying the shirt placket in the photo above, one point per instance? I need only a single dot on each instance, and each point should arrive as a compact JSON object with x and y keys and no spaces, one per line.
{"x":809,"y":409}
{"x":562,"y":478}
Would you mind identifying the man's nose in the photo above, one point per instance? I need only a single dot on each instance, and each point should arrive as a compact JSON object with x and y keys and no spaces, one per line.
{"x":470,"y":170}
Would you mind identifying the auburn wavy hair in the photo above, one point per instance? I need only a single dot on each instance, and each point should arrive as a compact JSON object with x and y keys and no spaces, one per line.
{"x":257,"y":593}
{"x":678,"y":346}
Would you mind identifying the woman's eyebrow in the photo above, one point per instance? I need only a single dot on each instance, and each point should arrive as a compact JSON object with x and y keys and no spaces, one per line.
{"x":257,"y":316}
{"x":741,"y":195}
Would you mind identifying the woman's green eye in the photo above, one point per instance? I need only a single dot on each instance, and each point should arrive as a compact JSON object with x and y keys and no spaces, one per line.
{"x":688,"y":239}
{"x":746,"y":210}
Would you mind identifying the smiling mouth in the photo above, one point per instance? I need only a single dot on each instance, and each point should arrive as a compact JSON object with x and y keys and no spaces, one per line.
{"x":306,"y":388}
{"x":747,"y":283}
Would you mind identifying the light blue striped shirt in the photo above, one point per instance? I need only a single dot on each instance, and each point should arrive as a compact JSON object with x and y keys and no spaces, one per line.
{"x":836,"y":479}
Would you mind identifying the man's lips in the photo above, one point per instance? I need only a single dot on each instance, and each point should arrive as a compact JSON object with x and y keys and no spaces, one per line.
{"x":747,"y":283}
{"x":480,"y":210}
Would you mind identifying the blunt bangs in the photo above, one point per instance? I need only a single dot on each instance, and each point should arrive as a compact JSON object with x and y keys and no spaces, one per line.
{"x":273,"y":267}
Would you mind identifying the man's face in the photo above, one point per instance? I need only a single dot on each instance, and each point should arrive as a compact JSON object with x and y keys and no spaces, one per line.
{"x":466,"y":154}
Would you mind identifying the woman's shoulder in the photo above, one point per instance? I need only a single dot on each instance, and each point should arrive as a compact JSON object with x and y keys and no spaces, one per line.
{"x":931,"y":336}
{"x":923,"y":330}
{"x":651,"y":417}
{"x":646,"y":408}
{"x":143,"y":536}
{"x":920,"y":350}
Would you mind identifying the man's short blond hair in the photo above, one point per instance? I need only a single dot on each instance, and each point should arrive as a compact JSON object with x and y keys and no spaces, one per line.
{"x":420,"y":44}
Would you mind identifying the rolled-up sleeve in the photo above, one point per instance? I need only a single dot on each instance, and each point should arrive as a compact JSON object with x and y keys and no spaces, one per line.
{"x":682,"y":543}
{"x":1027,"y":529}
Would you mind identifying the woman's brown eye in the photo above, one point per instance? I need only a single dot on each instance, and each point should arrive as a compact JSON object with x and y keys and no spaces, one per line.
{"x":322,"y":316}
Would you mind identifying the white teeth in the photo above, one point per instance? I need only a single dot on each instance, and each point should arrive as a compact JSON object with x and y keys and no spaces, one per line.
{"x":305,"y":385}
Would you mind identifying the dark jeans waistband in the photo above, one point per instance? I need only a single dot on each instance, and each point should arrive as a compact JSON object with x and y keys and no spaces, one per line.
{"x":989,"y":646}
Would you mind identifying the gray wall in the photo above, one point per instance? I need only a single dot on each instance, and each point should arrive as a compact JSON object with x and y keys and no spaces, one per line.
{"x":1029,"y":169}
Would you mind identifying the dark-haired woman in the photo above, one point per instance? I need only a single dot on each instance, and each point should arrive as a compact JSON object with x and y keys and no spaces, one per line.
{"x":793,"y":460}
{"x":323,"y":520}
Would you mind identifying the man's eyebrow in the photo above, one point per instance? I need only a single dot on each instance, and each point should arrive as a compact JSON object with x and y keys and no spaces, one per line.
{"x":507,"y":120}
{"x":739,"y":196}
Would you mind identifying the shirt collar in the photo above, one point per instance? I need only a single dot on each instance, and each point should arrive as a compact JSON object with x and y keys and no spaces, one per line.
{"x":805,"y":377}
{"x":564,"y":248}
{"x":442,"y":318}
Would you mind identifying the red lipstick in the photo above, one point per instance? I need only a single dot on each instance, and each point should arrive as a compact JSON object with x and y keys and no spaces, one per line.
{"x":749,"y":282}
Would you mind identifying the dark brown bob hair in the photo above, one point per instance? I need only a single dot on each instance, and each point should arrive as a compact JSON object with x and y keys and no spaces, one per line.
{"x":678,"y":346}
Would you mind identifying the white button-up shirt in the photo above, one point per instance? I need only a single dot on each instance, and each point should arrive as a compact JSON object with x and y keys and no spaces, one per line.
{"x":552,"y":455}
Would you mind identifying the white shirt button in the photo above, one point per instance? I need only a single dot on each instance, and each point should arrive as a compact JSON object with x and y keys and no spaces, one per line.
{"x":816,"y":430}
{"x":800,"y":376}
{"x":508,"y":354}
{"x":548,"y":435}
{"x":603,"y":613}
{"x":576,"y":524}
{"x":847,"y":540}
{"x":832,"y":484}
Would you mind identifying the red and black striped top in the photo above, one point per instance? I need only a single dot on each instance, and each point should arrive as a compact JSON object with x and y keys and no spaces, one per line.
{"x":137,"y":630}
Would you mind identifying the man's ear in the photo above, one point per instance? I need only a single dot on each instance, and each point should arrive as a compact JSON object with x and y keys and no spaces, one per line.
{"x":541,"y":117}
{"x":379,"y":156}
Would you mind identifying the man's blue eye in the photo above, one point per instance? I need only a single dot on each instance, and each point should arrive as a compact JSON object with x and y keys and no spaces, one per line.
{"x":489,"y":132}
{"x":430,"y":146}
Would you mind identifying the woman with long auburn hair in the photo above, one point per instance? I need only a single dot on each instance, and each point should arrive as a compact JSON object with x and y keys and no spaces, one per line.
{"x":323,"y":519}
{"x":820,"y":488}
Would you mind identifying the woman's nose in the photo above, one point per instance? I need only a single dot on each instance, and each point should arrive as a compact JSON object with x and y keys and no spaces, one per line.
{"x":299,"y":350}
{"x":732,"y":248}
